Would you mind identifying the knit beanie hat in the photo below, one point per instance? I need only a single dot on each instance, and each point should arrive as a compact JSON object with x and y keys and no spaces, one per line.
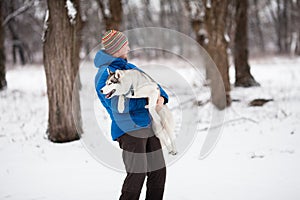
{"x":113,"y":41}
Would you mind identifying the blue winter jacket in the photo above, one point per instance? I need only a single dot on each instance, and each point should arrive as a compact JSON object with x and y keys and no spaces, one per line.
{"x":134,"y":116}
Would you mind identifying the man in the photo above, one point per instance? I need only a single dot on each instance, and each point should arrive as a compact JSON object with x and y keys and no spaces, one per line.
{"x":142,"y":154}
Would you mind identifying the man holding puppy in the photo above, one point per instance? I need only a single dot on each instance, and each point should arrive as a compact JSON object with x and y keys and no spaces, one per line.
{"x":142,"y":154}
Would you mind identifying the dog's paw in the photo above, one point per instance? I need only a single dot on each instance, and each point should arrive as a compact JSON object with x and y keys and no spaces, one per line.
{"x":121,"y":110}
{"x":121,"y":104}
{"x":147,"y":106}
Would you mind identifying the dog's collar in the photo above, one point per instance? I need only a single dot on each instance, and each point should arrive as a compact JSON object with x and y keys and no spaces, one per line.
{"x":130,"y":91}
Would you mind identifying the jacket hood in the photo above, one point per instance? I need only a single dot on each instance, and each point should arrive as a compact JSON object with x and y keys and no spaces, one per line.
{"x":104,"y":59}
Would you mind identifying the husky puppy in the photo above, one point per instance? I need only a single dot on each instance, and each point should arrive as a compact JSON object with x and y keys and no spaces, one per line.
{"x":136,"y":84}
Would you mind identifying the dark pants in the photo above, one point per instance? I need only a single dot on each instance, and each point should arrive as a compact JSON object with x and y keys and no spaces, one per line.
{"x":142,"y":156}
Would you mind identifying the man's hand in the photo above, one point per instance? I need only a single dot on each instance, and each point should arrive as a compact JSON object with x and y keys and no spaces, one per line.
{"x":159,"y":103}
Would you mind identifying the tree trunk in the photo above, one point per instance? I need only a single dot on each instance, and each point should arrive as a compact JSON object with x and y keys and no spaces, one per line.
{"x":243,"y":76}
{"x":3,"y":82}
{"x":116,"y":11}
{"x":215,"y":22}
{"x":258,"y":27}
{"x":285,"y":27}
{"x":162,"y":13}
{"x":113,"y":19}
{"x":294,"y":24}
{"x":297,"y":17}
{"x":278,"y":28}
{"x":148,"y":17}
{"x":61,"y":61}
{"x":282,"y":26}
{"x":17,"y":44}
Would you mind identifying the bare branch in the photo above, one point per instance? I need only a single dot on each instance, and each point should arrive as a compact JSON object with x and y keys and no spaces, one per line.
{"x":227,"y":122}
{"x":17,"y":12}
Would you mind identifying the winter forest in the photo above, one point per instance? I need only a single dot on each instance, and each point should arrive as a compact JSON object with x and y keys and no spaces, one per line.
{"x":230,"y":68}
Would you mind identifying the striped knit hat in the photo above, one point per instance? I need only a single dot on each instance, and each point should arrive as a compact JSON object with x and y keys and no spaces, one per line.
{"x":113,"y":41}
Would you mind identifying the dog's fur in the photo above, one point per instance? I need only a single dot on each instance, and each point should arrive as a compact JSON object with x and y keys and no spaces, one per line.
{"x":136,"y":84}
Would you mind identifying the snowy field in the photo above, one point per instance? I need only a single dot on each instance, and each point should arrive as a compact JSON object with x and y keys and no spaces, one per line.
{"x":257,"y":157}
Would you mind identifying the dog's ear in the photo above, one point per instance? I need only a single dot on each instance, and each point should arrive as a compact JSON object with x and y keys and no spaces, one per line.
{"x":119,"y":74}
{"x":109,"y":72}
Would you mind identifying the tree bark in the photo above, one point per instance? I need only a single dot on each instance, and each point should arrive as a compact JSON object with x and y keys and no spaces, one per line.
{"x":3,"y":82}
{"x":243,"y":76}
{"x":210,"y":33}
{"x":215,"y":22}
{"x":113,"y":19}
{"x":61,"y":61}
{"x":116,"y":11}
{"x":258,"y":27}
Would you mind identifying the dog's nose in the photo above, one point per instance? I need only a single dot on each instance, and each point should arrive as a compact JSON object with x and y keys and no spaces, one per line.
{"x":101,"y":91}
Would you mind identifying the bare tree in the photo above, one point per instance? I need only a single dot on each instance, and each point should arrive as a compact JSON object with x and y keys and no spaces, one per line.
{"x":285,"y":19}
{"x":24,"y":24}
{"x":259,"y":26}
{"x":243,"y":76}
{"x":215,"y":23}
{"x":14,"y":13}
{"x":146,"y":9}
{"x":282,"y":25}
{"x":112,"y":13}
{"x":3,"y":82}
{"x":61,"y":61}
{"x":295,"y":28}
{"x":195,"y":8}
{"x":208,"y":21}
{"x":163,"y":13}
{"x":15,"y":8}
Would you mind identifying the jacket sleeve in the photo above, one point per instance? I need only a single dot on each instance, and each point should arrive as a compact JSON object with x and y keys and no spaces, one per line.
{"x":163,"y":94}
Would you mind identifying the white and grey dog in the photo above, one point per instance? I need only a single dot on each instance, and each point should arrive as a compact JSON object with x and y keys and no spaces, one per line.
{"x":136,"y":84}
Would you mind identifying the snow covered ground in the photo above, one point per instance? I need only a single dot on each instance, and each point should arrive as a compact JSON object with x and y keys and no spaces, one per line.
{"x":257,"y":157}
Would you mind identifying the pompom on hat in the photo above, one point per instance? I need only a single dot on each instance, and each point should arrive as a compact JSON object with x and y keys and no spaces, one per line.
{"x":113,"y":41}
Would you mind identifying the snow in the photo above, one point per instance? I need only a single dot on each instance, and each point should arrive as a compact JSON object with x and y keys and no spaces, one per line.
{"x":71,"y":11}
{"x":45,"y":25}
{"x":208,"y":4}
{"x":202,"y":31}
{"x":194,"y":9}
{"x":256,"y":158}
{"x":227,"y":38}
